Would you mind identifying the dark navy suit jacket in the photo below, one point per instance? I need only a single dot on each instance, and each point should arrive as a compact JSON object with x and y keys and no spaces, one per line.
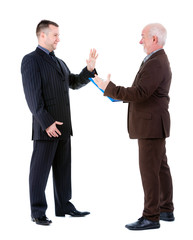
{"x":46,"y":88}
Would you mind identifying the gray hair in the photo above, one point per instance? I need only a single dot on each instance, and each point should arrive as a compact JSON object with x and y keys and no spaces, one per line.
{"x":158,"y":30}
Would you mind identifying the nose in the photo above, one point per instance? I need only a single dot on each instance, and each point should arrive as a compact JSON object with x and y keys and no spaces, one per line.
{"x":141,"y":41}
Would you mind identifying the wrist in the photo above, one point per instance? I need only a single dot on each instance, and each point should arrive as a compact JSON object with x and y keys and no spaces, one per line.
{"x":90,"y":69}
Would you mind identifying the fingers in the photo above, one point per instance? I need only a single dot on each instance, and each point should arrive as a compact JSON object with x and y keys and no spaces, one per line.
{"x":93,"y":53}
{"x":96,"y":76}
{"x":53,"y":131}
{"x":59,"y":123}
{"x":102,"y":84}
{"x":97,"y":79}
{"x":49,"y":134}
{"x":92,"y":60}
{"x":109,"y":77}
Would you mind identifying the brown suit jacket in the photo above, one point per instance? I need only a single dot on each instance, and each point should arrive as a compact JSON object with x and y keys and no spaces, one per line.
{"x":148,"y":98}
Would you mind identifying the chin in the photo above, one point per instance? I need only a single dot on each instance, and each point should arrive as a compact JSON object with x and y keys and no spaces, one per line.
{"x":145,"y":50}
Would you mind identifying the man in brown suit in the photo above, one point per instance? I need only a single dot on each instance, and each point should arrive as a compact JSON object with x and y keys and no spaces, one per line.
{"x":149,"y":122}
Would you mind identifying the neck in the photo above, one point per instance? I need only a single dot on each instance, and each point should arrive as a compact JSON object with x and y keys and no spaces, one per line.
{"x":44,"y":46}
{"x":155,"y":48}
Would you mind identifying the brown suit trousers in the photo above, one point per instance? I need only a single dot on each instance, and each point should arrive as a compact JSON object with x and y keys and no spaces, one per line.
{"x":149,"y":122}
{"x":156,"y":178}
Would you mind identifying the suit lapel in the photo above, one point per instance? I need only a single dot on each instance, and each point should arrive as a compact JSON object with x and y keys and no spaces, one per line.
{"x":48,"y":59}
{"x":143,"y":64}
{"x":160,"y":52}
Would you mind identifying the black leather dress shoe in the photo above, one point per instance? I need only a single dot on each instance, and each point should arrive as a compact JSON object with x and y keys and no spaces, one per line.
{"x":76,"y":213}
{"x":167,"y":216}
{"x":70,"y":210}
{"x":42,"y":221}
{"x":143,"y":224}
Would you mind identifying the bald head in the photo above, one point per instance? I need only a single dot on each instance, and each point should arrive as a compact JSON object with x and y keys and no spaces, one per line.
{"x":158,"y":30}
{"x":153,"y":37}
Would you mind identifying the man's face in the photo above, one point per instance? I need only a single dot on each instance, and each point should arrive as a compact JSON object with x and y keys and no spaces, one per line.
{"x":51,"y":37}
{"x":146,"y":41}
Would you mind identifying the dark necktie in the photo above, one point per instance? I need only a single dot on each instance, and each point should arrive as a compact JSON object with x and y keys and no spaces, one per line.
{"x":52,"y":54}
{"x":54,"y":58}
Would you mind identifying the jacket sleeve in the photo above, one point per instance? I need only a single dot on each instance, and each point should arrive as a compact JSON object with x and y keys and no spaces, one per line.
{"x":32,"y":85}
{"x":77,"y":81}
{"x":146,"y":83}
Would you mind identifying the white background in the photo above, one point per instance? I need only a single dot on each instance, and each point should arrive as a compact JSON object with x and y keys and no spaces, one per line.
{"x":105,"y":173}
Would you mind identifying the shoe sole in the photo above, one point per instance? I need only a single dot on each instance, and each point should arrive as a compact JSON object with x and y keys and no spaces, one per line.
{"x":167,"y":219}
{"x":139,"y":229}
{"x":43,"y":224}
{"x":71,"y":215}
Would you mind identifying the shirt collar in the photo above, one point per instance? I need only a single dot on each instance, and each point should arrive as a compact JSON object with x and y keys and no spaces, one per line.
{"x":148,"y":56}
{"x":44,"y":49}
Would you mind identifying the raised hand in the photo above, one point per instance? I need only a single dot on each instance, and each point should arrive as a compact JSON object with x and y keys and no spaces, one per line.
{"x":91,"y":62}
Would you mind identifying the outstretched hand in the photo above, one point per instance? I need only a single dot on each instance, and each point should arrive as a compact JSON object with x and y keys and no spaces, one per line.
{"x":102,"y":83}
{"x":91,"y":62}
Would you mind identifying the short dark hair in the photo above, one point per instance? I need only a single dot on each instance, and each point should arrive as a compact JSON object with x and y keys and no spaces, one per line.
{"x":44,"y":24}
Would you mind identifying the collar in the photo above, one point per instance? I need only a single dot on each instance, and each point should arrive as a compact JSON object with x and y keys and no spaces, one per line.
{"x":44,"y":49}
{"x":148,"y":56}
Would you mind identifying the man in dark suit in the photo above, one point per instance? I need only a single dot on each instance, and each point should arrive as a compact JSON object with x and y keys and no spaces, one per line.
{"x":46,"y":82}
{"x":149,"y":122}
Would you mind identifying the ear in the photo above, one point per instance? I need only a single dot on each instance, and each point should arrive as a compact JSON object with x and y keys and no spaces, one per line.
{"x":42,"y":35}
{"x":155,"y":39}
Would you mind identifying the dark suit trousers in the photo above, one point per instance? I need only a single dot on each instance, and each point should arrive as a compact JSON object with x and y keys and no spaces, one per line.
{"x":156,"y":178}
{"x":47,"y":154}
